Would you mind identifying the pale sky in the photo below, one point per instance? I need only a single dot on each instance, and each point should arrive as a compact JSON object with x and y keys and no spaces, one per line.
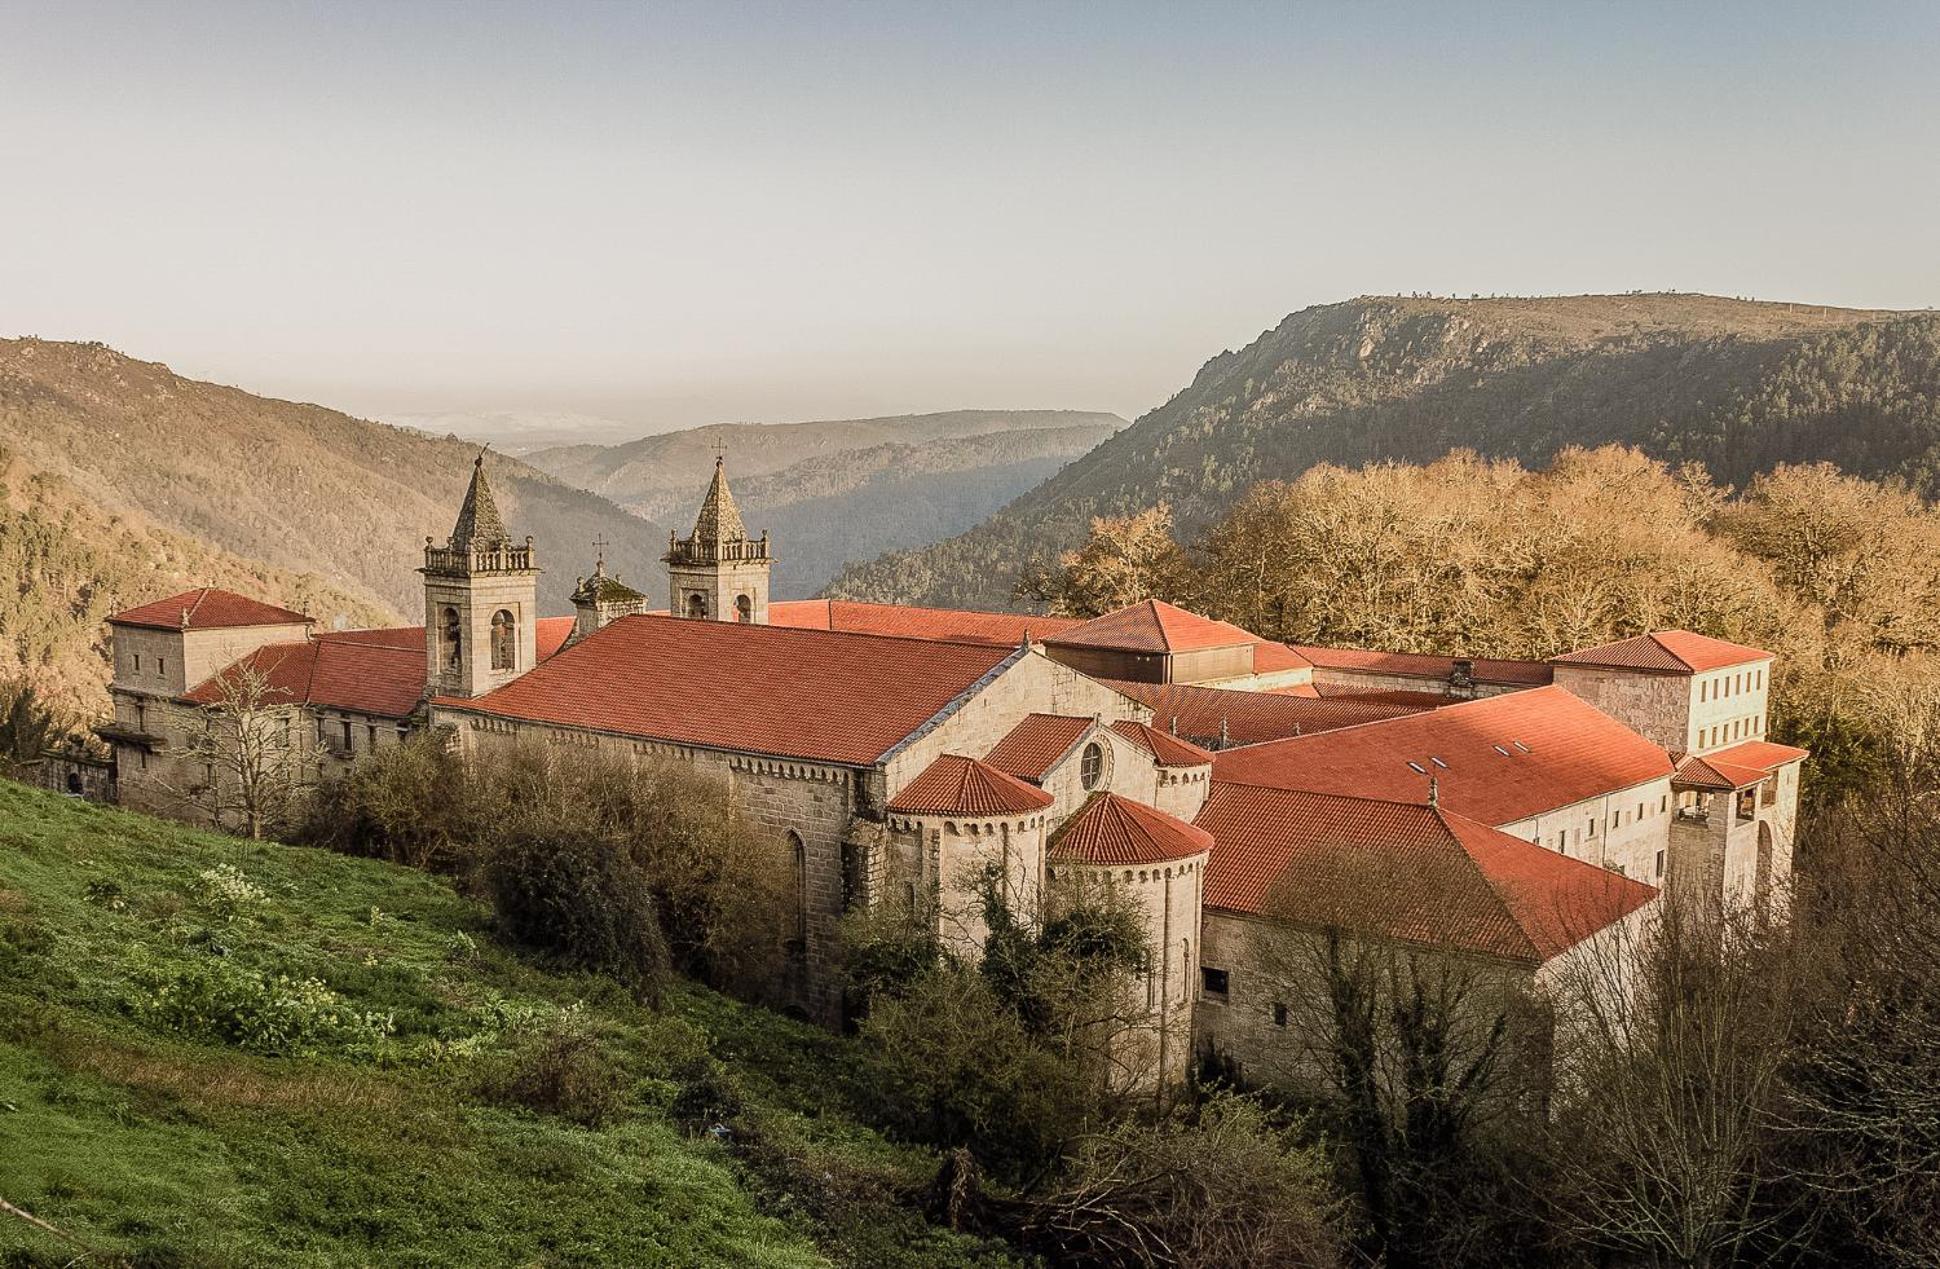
{"x":690,"y":213}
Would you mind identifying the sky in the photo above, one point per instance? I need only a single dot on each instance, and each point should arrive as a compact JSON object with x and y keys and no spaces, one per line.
{"x":672,"y":214}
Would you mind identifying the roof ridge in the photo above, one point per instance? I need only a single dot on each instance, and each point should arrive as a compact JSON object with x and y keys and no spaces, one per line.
{"x":1450,"y":708}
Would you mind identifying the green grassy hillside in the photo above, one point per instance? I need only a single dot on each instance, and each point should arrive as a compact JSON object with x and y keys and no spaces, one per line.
{"x":215,"y":1052}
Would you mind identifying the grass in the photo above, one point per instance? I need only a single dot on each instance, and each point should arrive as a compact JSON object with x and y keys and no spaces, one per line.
{"x":357,"y":1125}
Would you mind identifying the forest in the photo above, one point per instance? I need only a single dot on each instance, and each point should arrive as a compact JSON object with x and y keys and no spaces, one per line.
{"x":1739,"y":387}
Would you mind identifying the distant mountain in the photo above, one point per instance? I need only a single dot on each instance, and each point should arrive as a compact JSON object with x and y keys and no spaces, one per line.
{"x":837,"y":491}
{"x":198,"y":482}
{"x":518,"y":432}
{"x":1736,"y":385}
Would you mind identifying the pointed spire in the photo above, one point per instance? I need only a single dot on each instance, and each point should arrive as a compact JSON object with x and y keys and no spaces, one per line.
{"x":720,"y":519}
{"x":479,"y":526}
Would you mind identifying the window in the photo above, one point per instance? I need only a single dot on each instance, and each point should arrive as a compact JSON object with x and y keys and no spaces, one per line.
{"x":1279,"y":1014}
{"x":141,"y":716}
{"x":798,"y":857}
{"x":1663,"y":803}
{"x":451,"y":640}
{"x":1214,"y":982}
{"x":161,"y":665}
{"x":1660,"y":863}
{"x":505,"y":641}
{"x":1704,"y":690}
{"x":743,"y":608}
{"x":1091,"y":766}
{"x":346,"y":727}
{"x":697,"y":605}
{"x":138,"y":663}
{"x":370,"y":737}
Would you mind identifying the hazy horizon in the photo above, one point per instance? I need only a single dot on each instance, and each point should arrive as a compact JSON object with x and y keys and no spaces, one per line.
{"x":688,"y":214}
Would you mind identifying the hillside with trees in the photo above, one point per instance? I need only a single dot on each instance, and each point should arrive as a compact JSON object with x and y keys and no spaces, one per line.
{"x":845,"y":490}
{"x":1735,"y":385}
{"x":296,"y":486}
{"x":126,"y":481}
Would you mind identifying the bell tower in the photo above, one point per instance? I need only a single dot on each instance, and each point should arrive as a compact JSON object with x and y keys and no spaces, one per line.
{"x":719,"y":572}
{"x":481,"y":594}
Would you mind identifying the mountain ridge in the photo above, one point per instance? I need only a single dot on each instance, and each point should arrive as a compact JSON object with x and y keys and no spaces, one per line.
{"x":1739,"y":385}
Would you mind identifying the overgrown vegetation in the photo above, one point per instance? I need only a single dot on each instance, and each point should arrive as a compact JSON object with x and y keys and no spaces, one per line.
{"x":219,"y":1052}
{"x":1838,"y":575}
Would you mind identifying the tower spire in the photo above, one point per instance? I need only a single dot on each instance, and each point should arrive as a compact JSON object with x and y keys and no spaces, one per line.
{"x":479,"y":526}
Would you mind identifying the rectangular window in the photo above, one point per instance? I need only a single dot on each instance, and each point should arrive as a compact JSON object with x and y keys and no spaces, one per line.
{"x":138,"y":663}
{"x":1214,"y":982}
{"x":1561,"y":845}
{"x":1279,"y":1014}
{"x":1663,"y":804}
{"x":1704,"y":690}
{"x":1660,"y":863}
{"x":161,"y":665}
{"x":346,"y":735}
{"x":371,"y":736}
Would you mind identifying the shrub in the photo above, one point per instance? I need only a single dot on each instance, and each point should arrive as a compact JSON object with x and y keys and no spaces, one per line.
{"x":265,"y":1013}
{"x":561,"y":1070}
{"x":583,"y":899}
{"x":225,"y":893}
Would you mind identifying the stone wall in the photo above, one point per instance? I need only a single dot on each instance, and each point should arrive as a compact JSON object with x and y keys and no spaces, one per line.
{"x":1624,"y":830}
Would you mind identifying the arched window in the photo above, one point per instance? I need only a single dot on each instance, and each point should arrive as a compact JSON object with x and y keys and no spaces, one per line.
{"x":743,"y":608}
{"x":697,"y":605}
{"x":798,"y":859}
{"x":1091,"y":765}
{"x":451,"y":640}
{"x":505,"y":641}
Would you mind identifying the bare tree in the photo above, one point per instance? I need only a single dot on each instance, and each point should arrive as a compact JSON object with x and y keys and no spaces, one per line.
{"x":243,"y":754}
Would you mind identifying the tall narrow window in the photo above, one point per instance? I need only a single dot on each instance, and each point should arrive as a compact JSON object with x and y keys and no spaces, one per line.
{"x":743,"y":608}
{"x":451,"y":640}
{"x":798,"y":863}
{"x":505,"y":641}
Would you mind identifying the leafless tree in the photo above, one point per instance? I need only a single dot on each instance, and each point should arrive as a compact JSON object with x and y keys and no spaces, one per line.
{"x":242,"y":755}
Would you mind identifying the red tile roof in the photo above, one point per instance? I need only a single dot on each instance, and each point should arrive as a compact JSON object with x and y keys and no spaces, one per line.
{"x":1667,"y":652}
{"x":956,"y":785}
{"x":364,"y":678}
{"x":1110,"y":829}
{"x":1502,"y":758}
{"x":207,"y":608}
{"x":1403,"y":871}
{"x":1037,"y":743}
{"x":1737,"y":767}
{"x":549,"y":632}
{"x":812,"y":694}
{"x":1168,"y":750}
{"x":1250,"y":717}
{"x":1761,"y":754}
{"x":1269,"y":657}
{"x":1420,"y":700}
{"x":1153,"y":626}
{"x":949,"y":625}
{"x":1422,"y":665}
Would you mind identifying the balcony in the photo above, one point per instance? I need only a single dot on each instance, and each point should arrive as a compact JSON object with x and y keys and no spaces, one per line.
{"x":496,"y":559}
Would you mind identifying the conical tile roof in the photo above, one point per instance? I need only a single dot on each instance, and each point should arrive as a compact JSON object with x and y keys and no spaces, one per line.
{"x":720,"y":519}
{"x":479,"y":526}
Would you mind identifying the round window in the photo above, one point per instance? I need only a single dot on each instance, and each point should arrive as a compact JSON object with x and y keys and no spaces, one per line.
{"x":1091,"y":765}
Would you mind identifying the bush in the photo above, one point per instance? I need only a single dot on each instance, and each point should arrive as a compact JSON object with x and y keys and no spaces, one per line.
{"x":225,"y":893}
{"x":265,"y":1013}
{"x":583,"y":899}
{"x":410,"y":803}
{"x":562,"y":1070}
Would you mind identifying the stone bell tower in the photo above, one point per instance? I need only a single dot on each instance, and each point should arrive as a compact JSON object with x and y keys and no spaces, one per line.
{"x":481,"y":600}
{"x":719,"y":572}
